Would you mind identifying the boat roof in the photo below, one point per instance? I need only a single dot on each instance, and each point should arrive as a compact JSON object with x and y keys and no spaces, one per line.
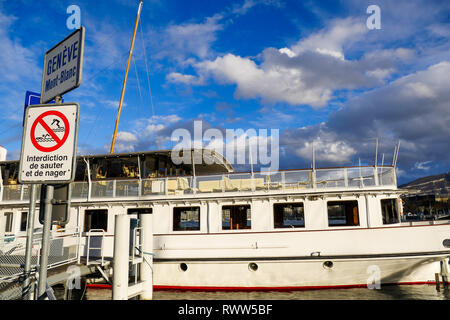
{"x":215,"y":164}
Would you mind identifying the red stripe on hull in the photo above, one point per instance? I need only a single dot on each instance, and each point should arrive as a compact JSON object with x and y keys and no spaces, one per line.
{"x":200,"y":288}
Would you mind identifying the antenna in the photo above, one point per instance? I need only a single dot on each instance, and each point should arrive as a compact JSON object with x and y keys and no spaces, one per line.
{"x":313,"y":157}
{"x":396,"y":155}
{"x":376,"y":153}
{"x":250,"y":156}
{"x":393,"y":157}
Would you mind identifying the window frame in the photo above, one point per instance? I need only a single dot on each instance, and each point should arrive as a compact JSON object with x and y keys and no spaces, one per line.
{"x":285,"y":204}
{"x":396,"y":211}
{"x":346,"y":213}
{"x":22,"y":213}
{"x":179,"y":210}
{"x":9,"y":226}
{"x":106,"y":213}
{"x":248,"y":207}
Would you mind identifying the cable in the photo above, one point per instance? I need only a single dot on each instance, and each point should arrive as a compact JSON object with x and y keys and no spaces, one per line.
{"x":146,"y":67}
{"x":138,"y":82}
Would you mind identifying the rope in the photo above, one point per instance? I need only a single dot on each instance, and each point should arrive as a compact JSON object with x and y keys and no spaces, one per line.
{"x":138,"y":81}
{"x":146,"y":68}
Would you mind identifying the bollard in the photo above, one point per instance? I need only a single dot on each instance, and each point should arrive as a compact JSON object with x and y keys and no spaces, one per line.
{"x":121,"y":257}
{"x":146,"y":268}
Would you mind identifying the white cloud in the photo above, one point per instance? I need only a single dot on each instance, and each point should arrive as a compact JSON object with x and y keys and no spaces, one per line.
{"x":184,"y":41}
{"x":328,"y":148}
{"x":332,"y":39}
{"x":175,"y":77}
{"x":422,"y":165}
{"x":309,"y":72}
{"x":113,"y":104}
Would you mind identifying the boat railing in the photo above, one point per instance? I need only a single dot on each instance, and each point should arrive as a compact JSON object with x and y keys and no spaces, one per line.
{"x":63,"y":249}
{"x":286,"y":181}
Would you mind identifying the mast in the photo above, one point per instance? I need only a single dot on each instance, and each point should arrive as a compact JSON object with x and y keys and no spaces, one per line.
{"x":126,"y":77}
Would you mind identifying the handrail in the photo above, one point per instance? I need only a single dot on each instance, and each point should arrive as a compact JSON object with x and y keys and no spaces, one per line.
{"x":136,"y":247}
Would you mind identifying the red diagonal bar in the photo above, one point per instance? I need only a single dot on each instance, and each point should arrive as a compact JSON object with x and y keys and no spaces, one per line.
{"x":50,"y":131}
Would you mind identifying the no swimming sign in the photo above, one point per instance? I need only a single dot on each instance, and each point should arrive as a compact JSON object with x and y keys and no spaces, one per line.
{"x":49,"y":144}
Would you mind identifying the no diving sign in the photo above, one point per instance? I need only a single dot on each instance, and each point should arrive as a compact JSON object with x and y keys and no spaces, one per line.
{"x":49,"y":144}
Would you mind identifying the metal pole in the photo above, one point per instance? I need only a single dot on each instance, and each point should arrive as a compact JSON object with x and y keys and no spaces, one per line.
{"x":376,"y":154}
{"x":26,"y":288}
{"x":45,"y":240}
{"x":146,"y":270}
{"x":126,"y":77}
{"x":396,"y":155}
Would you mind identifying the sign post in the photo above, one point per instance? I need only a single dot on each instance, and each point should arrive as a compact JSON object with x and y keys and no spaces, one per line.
{"x":49,"y":140}
{"x":48,"y":157}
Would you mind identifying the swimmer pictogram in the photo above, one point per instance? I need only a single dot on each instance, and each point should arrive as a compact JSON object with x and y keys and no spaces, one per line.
{"x":49,"y":131}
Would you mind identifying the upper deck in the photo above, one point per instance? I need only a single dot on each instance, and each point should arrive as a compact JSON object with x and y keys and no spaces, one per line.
{"x":136,"y":186}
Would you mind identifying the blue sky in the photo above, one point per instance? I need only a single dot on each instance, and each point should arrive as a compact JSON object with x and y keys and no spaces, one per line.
{"x":311,"y":69}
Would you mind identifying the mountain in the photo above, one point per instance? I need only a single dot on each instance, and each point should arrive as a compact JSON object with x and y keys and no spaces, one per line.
{"x":438,"y":184}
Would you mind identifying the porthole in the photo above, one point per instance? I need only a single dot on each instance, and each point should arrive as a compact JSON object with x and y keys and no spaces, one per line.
{"x":183,"y":267}
{"x":328,"y":265}
{"x":252,"y":266}
{"x":446,"y":243}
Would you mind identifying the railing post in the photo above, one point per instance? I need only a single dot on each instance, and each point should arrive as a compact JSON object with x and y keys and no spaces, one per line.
{"x":346,"y":177}
{"x":313,"y":178}
{"x":394,"y":176}
{"x":375,"y":174}
{"x":89,"y":180}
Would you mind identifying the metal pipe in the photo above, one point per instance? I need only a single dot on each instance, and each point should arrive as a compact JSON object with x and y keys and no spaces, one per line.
{"x":146,"y":269}
{"x":45,"y":240}
{"x":126,"y":77}
{"x":26,"y":292}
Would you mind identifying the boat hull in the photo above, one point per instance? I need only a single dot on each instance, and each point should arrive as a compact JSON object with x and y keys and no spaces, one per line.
{"x":296,"y":273}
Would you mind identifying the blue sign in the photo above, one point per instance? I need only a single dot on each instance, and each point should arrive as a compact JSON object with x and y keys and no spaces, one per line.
{"x":31,"y":99}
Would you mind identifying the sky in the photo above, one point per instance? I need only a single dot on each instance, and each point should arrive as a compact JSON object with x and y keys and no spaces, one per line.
{"x":313,"y":70}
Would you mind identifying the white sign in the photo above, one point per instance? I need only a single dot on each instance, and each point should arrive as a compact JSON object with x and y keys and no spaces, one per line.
{"x":49,"y":144}
{"x":63,"y":66}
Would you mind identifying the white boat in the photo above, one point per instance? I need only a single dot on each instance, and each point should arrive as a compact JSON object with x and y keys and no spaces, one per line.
{"x":221,"y":230}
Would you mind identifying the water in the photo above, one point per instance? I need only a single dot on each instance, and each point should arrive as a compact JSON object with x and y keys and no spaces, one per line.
{"x":405,"y":292}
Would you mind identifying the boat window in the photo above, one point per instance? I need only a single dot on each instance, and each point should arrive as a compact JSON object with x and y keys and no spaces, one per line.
{"x":96,"y":219}
{"x":150,"y":167}
{"x":81,"y":173}
{"x":23,"y":221}
{"x":236,"y":217}
{"x":289,"y":215}
{"x":343,"y":213}
{"x":389,"y":211}
{"x":118,"y":167}
{"x":186,"y":219}
{"x":139,"y":211}
{"x":9,"y":221}
{"x":10,"y":173}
